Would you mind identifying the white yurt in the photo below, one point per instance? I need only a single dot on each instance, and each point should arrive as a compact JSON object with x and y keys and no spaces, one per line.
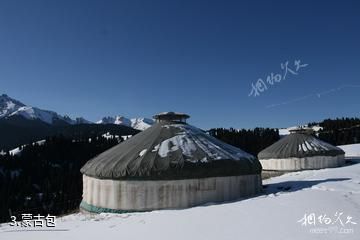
{"x":300,"y":150}
{"x":170,"y":165}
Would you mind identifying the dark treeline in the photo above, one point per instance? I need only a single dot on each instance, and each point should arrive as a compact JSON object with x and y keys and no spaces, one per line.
{"x":340,"y":131}
{"x":46,"y":179}
{"x":251,"y":141}
{"x":17,"y":130}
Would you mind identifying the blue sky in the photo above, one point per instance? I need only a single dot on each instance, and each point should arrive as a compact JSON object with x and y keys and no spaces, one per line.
{"x":136,"y":58}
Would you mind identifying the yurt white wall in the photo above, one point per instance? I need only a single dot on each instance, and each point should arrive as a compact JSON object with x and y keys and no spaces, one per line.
{"x":306,"y":163}
{"x":159,"y":194}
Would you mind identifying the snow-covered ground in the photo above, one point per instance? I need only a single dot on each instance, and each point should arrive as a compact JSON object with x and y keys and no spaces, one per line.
{"x":316,"y":204}
{"x":110,"y":136}
{"x":17,"y":151}
{"x":276,"y":214}
{"x":351,"y":150}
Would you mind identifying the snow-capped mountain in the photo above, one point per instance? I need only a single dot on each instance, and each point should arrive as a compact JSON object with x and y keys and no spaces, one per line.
{"x":136,"y":123}
{"x":36,"y":113}
{"x":12,"y":107}
{"x":141,"y":123}
{"x":119,"y":120}
{"x":78,"y":120}
{"x":8,"y":105}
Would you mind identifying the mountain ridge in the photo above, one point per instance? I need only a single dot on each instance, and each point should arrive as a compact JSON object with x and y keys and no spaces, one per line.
{"x":136,"y":123}
{"x":10,"y":107}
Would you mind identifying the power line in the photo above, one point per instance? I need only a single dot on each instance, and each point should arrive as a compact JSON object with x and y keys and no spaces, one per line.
{"x":318,"y":95}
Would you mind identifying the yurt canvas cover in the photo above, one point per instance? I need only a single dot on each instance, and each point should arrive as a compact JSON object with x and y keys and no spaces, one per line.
{"x":171,"y":151}
{"x":299,"y":145}
{"x":299,"y":151}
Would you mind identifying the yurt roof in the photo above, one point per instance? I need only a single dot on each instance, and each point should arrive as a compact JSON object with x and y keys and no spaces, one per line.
{"x":170,"y":150}
{"x":171,"y":116}
{"x":299,"y":145}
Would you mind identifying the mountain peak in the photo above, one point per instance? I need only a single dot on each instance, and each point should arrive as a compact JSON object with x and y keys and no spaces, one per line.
{"x":136,"y":123}
{"x":8,"y":105}
{"x":11,"y":107}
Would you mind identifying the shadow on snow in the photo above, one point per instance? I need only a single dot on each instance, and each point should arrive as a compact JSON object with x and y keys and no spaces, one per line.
{"x":293,"y":186}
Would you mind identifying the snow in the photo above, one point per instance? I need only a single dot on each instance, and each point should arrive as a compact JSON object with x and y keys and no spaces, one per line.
{"x":175,"y":143}
{"x":113,"y":120}
{"x":106,"y":120}
{"x":286,"y":131}
{"x":190,"y":139}
{"x":110,"y":136}
{"x":351,"y":150}
{"x":136,"y":123}
{"x":41,"y":142}
{"x":142,"y":152}
{"x":308,"y":146}
{"x":314,"y":145}
{"x":8,"y":105}
{"x":303,"y":147}
{"x":317,"y":128}
{"x":34,"y":113}
{"x":321,"y":144}
{"x":126,"y":137}
{"x":156,"y":148}
{"x":141,"y":123}
{"x":17,"y":150}
{"x":275,"y":214}
{"x":119,"y":120}
{"x":11,"y":107}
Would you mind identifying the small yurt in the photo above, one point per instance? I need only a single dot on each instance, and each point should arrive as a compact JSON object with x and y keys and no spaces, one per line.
{"x":300,"y":150}
{"x":168,"y":166}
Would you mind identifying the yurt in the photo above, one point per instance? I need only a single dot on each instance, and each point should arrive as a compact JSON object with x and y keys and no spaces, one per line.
{"x":171,"y":165}
{"x":300,"y":150}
